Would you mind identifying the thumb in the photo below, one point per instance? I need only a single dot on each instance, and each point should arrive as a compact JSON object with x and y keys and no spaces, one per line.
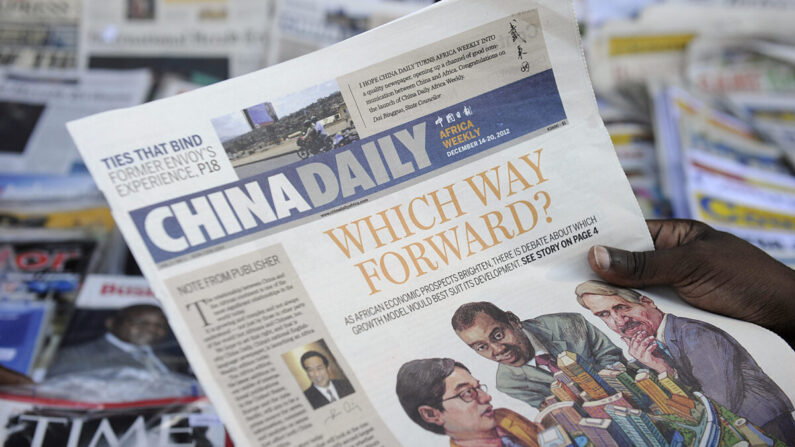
{"x":636,"y":268}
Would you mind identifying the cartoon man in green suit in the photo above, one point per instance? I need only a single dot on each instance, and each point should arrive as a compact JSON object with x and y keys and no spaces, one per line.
{"x":527,"y":350}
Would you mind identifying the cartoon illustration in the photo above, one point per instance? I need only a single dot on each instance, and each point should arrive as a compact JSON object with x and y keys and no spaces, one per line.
{"x":526,"y":350}
{"x":694,"y":354}
{"x":441,"y":396}
{"x":323,"y":390}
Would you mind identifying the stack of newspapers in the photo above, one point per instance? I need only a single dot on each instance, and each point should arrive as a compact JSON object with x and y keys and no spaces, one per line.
{"x":714,"y":82}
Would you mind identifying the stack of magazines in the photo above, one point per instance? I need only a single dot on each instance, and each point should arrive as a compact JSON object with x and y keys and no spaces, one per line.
{"x":716,"y":83}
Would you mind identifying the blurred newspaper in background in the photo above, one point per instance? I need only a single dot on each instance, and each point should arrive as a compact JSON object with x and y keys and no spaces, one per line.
{"x":35,"y":104}
{"x":303,"y":26}
{"x":716,"y":79}
{"x":55,"y":226}
{"x":39,"y":34}
{"x":34,"y":421}
{"x":195,"y":41}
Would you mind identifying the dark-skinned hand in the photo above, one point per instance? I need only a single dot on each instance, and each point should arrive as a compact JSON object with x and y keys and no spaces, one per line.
{"x":709,"y":269}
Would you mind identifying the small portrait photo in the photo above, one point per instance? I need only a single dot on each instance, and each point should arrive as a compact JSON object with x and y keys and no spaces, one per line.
{"x":318,"y":374}
{"x":141,"y":9}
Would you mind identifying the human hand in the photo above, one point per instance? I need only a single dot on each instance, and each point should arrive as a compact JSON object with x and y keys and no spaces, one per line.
{"x":709,"y":269}
{"x":643,"y":347}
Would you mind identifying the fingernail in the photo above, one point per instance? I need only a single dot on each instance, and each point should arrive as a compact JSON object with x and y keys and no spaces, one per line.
{"x":602,"y":257}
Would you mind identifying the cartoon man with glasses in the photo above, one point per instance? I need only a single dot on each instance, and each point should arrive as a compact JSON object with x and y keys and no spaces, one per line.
{"x":441,"y":396}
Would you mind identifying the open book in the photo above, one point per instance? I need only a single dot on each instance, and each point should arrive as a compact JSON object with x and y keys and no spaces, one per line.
{"x":380,"y":243}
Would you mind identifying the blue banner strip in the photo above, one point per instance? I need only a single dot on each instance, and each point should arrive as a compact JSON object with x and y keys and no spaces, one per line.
{"x":482,"y":122}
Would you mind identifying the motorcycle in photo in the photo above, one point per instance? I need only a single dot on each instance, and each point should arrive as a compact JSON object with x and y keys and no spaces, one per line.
{"x":313,"y":142}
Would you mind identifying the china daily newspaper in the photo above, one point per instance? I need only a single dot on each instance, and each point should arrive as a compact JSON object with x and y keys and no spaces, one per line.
{"x":383,"y":243}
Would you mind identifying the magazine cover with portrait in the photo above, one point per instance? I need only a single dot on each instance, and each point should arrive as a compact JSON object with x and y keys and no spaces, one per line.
{"x":118,"y":347}
{"x":41,"y":422}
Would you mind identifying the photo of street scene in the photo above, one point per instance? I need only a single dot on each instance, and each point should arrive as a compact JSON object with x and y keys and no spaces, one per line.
{"x":273,"y":134}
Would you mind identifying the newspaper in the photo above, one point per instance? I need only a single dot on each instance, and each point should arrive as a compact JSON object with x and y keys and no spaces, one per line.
{"x":635,"y":150}
{"x":715,"y":169}
{"x":736,"y":64}
{"x":300,"y":27}
{"x":306,"y":284}
{"x":756,"y":205}
{"x":195,"y":40}
{"x":39,"y":34}
{"x":684,"y":121}
{"x":36,"y":104}
{"x":772,"y":116}
{"x":88,"y":214}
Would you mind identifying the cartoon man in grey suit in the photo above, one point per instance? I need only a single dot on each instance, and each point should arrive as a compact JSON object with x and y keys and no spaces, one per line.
{"x":127,"y":343}
{"x":527,"y":350}
{"x":698,"y":354}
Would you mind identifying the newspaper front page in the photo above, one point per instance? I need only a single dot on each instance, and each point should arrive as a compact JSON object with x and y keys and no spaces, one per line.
{"x":323,"y":237}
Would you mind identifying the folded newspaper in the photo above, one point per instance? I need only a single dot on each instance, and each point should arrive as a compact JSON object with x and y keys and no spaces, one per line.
{"x":384,"y":243}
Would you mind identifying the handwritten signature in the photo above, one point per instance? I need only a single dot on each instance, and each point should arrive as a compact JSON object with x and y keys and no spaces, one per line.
{"x":347,"y":407}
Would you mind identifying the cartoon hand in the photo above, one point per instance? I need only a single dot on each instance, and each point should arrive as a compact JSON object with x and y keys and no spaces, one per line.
{"x":642,"y":347}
